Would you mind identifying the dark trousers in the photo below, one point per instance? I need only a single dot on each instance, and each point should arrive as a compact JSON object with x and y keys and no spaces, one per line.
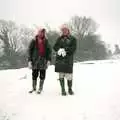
{"x":41,"y":74}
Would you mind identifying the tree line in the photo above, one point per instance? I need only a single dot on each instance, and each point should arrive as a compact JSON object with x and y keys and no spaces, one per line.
{"x":14,"y":42}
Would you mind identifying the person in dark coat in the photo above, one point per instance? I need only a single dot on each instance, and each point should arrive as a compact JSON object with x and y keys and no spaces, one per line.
{"x":65,"y":47}
{"x":39,"y":58}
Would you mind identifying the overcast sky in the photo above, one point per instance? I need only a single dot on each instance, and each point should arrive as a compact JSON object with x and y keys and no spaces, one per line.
{"x":56,"y":12}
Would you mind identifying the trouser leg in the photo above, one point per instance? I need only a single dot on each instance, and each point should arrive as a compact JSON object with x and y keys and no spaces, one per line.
{"x":42,"y":79}
{"x":34,"y":80}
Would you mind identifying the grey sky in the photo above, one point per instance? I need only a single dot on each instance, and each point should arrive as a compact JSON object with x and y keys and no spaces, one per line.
{"x":55,"y":12}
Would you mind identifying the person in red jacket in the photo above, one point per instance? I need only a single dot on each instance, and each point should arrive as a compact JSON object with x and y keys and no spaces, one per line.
{"x":39,"y":59}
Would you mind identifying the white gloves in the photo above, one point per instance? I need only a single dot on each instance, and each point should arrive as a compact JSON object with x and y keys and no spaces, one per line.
{"x":48,"y":63}
{"x":61,"y":52}
{"x":30,"y":65}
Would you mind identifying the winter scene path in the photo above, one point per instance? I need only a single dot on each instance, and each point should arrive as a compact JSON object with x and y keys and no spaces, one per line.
{"x":96,"y":87}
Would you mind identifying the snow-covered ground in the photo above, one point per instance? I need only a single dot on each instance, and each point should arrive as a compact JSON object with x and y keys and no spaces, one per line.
{"x":96,"y":87}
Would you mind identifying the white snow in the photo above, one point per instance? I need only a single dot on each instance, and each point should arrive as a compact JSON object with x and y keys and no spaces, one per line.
{"x":96,"y":87}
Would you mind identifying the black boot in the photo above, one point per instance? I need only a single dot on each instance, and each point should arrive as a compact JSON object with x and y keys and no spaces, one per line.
{"x":34,"y":83}
{"x":70,"y":91}
{"x":40,"y":87}
{"x":62,"y":84}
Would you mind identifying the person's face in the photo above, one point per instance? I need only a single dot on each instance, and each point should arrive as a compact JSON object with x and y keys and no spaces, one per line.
{"x":41,"y":34}
{"x":65,"y":31}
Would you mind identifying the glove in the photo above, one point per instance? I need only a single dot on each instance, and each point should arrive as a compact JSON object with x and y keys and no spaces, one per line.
{"x":63,"y":52}
{"x":48,"y":63}
{"x":60,"y":52}
{"x":30,"y":65}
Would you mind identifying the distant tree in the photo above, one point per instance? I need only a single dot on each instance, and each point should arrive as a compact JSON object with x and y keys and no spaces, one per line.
{"x":52,"y":37}
{"x":89,"y":45}
{"x":109,"y":53}
{"x":117,"y":49}
{"x":1,"y":49}
{"x":15,"y":41}
{"x":98,"y":48}
{"x":81,"y":27}
{"x":10,"y":44}
{"x":92,"y":48}
{"x":8,"y":37}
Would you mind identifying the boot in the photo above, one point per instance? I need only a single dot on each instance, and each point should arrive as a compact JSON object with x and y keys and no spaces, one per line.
{"x":34,"y":83}
{"x":62,"y":84}
{"x":40,"y":87}
{"x":70,"y":91}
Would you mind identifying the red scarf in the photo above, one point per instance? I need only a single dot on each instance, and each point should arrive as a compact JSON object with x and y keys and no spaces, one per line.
{"x":41,"y":46}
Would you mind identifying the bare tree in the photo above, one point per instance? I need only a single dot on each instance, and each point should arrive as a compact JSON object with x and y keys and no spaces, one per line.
{"x":1,"y":49}
{"x":25,"y":36}
{"x":8,"y":35}
{"x":82,"y":26}
{"x":15,"y":39}
{"x":117,"y":49}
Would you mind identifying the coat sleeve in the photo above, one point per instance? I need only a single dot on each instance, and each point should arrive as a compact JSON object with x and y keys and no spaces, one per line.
{"x":71,"y":49}
{"x":57,"y":45}
{"x":30,"y":50}
{"x":49,"y":51}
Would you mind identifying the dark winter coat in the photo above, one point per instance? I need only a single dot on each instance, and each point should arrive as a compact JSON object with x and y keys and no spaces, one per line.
{"x":39,"y":62}
{"x":65,"y":64}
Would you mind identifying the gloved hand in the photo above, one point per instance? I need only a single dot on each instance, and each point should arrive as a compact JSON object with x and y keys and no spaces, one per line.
{"x":63,"y":52}
{"x":48,"y":63}
{"x":60,"y":51}
{"x":30,"y":65}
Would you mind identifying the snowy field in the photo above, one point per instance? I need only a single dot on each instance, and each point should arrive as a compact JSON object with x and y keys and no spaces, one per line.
{"x":96,"y":87}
